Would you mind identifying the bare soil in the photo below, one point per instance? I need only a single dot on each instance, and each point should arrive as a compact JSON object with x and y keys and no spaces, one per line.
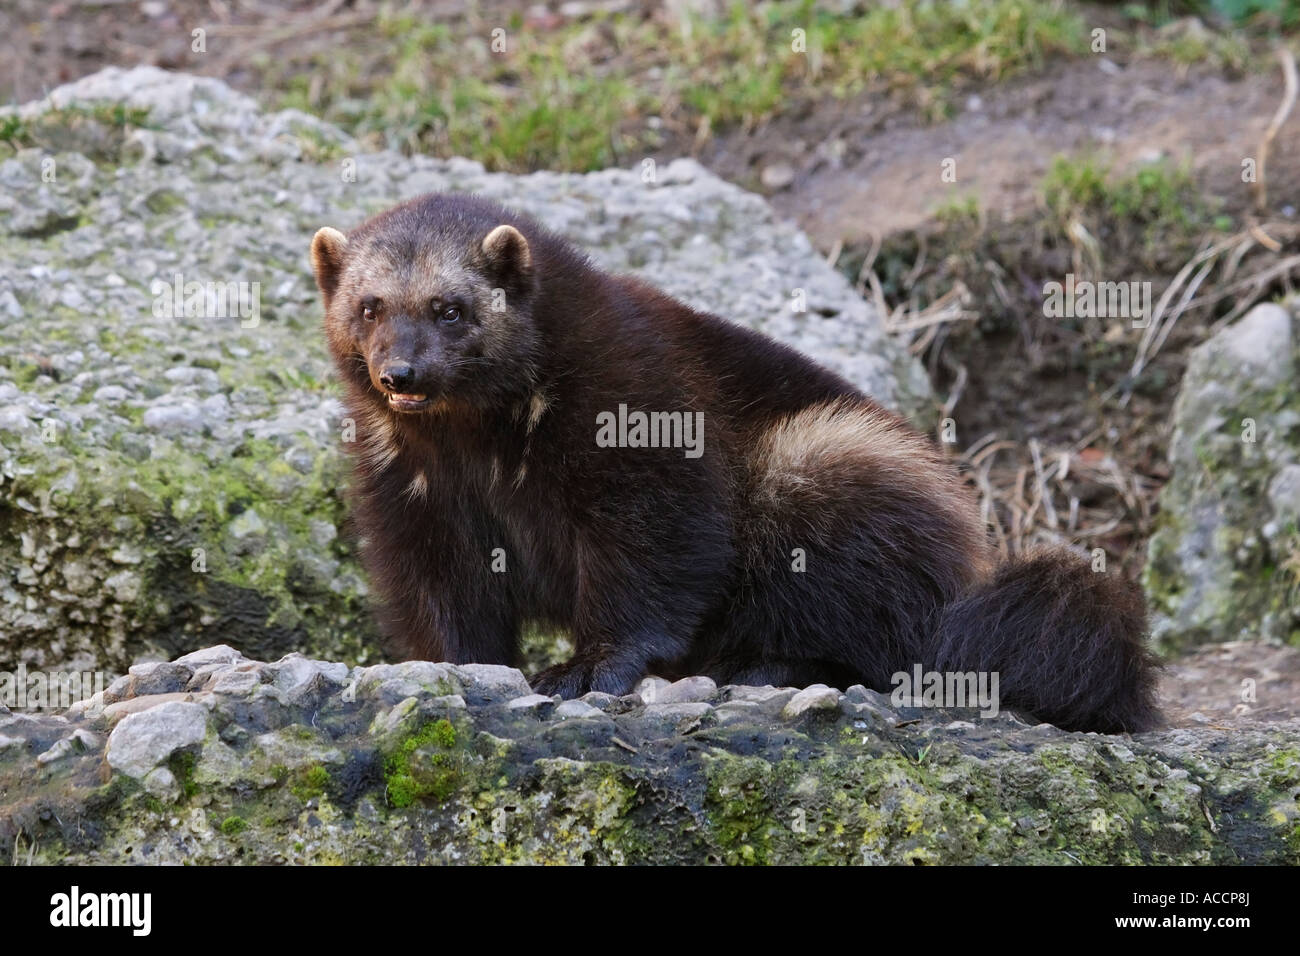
{"x":1232,"y":685}
{"x":862,"y":171}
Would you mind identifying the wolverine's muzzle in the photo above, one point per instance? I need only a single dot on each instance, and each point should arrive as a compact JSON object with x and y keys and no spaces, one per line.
{"x":397,"y":380}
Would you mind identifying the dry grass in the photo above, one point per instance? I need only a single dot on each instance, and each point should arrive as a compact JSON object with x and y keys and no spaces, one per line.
{"x":1099,"y":490}
{"x":1035,"y":494}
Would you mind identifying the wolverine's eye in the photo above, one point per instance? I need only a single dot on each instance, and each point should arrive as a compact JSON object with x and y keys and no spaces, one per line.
{"x":370,"y":309}
{"x":450,"y":315}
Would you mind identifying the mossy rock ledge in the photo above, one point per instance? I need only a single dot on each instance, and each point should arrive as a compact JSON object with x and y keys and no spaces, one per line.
{"x":214,"y":758}
{"x":168,"y":480}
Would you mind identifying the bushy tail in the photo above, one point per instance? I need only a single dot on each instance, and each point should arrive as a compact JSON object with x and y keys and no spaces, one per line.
{"x":1068,"y":643}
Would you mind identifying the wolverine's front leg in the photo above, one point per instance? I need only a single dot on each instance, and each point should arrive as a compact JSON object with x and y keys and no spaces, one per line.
{"x":432,"y":565}
{"x":431,"y":618}
{"x":644,"y":588}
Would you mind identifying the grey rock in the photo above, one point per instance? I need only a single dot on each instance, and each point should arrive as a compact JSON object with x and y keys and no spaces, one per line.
{"x":396,"y":721}
{"x":289,"y":748}
{"x":770,"y":697}
{"x":531,"y":702}
{"x":449,"y":702}
{"x":1284,"y":495}
{"x":649,"y":688}
{"x":576,"y":709}
{"x":1226,"y":536}
{"x":777,"y":176}
{"x":118,"y":689}
{"x":146,"y":739}
{"x":183,"y":418}
{"x":248,"y":525}
{"x":437,"y":678}
{"x":162,"y":784}
{"x":493,"y":681}
{"x":818,"y":697}
{"x":111,"y":394}
{"x":134,"y":705}
{"x":738,"y":711}
{"x":602,"y":702}
{"x":397,"y":689}
{"x":688,"y":690}
{"x":217,"y":654}
{"x":669,"y":719}
{"x":863,"y":695}
{"x":79,"y":741}
{"x":14,"y":419}
{"x":305,"y":681}
{"x":87,"y":708}
{"x":863,"y":714}
{"x":159,"y":678}
{"x":234,"y":682}
{"x":1257,"y":348}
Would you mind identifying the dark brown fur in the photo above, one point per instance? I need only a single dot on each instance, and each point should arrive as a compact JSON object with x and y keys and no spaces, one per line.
{"x":655,"y":562}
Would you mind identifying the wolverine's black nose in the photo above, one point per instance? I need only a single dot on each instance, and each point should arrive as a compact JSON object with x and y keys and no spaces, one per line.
{"x":396,"y":376}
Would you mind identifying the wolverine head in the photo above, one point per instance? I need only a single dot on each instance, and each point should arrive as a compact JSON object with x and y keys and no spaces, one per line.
{"x":428,"y":306}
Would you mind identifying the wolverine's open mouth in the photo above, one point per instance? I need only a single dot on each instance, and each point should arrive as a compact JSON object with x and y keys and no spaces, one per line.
{"x":407,"y":403}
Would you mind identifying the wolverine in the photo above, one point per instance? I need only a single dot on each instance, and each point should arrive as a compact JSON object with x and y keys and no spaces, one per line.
{"x":815,"y":537}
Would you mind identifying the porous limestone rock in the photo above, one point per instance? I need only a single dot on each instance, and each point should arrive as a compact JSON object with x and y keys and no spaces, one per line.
{"x":1224,"y":562}
{"x":470,"y":767}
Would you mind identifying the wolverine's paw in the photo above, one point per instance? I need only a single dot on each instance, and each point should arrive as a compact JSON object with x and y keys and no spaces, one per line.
{"x":581,"y":675}
{"x":562,"y":679}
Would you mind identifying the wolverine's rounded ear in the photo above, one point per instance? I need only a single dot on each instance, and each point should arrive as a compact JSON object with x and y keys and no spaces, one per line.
{"x":507,"y":250}
{"x":327,"y":248}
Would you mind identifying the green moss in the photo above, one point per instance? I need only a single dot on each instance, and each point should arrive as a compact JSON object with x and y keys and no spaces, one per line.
{"x":182,"y":766}
{"x":312,"y":782}
{"x":13,"y":132}
{"x":233,"y":825}
{"x":316,"y":147}
{"x":1284,"y":769}
{"x":739,"y":809}
{"x":163,"y":201}
{"x":425,"y":765}
{"x":98,"y":130}
{"x":1060,"y":763}
{"x":575,"y":811}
